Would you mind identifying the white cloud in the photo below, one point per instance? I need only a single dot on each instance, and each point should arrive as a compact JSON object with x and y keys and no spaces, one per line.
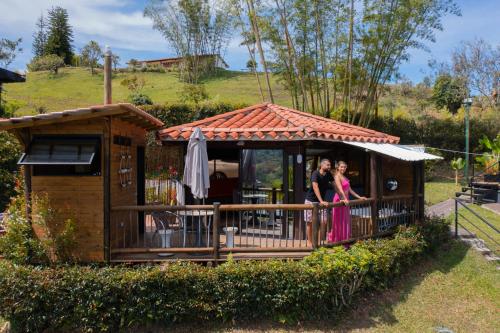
{"x":118,"y":23}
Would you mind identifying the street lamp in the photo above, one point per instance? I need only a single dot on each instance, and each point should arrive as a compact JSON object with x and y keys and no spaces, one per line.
{"x":467,"y":104}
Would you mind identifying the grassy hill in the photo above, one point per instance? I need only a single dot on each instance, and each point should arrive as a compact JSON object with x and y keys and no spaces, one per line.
{"x":75,"y":87}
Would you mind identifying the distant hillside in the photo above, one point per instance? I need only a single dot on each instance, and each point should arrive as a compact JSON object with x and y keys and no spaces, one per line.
{"x":75,"y":87}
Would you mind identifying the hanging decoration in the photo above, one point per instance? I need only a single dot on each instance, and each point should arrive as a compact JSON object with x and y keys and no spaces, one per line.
{"x":125,"y":169}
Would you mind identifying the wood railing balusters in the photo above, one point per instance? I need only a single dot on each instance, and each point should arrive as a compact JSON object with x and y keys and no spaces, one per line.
{"x":315,"y":222}
{"x":215,"y":231}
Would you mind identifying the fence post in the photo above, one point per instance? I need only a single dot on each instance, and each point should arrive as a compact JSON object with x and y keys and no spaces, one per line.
{"x":215,"y":231}
{"x":315,"y":225}
{"x":456,"y":218}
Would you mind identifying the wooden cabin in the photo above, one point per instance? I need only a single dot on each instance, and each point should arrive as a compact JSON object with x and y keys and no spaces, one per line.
{"x":129,"y":204}
{"x":92,"y":164}
{"x":85,"y":160}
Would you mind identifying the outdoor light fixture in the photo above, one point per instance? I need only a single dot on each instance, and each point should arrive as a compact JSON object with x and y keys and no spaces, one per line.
{"x":391,"y":184}
{"x":299,"y":159}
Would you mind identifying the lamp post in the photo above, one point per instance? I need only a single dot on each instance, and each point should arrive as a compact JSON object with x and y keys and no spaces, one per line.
{"x":467,"y":104}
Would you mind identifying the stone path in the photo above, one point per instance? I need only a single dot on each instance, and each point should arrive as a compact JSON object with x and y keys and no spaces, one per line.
{"x":442,"y":209}
{"x":447,"y":207}
{"x":494,"y":207}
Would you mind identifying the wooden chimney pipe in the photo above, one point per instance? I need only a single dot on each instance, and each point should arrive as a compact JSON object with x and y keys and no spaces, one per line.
{"x":107,"y":76}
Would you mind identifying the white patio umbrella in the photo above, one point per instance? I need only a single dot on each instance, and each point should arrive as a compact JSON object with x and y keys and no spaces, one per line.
{"x":196,"y":165}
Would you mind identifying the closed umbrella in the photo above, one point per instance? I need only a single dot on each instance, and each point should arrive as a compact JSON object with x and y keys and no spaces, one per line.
{"x":196,"y":165}
{"x":196,"y":172}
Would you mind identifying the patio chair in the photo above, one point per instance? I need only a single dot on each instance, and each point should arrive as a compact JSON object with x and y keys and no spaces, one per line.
{"x":162,"y":221}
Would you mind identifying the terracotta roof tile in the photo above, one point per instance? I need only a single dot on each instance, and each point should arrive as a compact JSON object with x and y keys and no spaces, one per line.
{"x":273,"y":122}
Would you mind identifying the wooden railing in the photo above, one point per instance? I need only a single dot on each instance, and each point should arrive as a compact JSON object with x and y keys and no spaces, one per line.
{"x":219,"y":229}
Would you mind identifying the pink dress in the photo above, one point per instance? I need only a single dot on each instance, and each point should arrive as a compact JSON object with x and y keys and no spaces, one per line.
{"x":341,"y":218}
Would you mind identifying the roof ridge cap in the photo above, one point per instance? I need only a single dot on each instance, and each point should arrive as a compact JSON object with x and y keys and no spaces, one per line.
{"x":306,"y":114}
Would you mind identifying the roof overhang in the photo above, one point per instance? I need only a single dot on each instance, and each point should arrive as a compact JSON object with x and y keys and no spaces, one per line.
{"x":124,"y":111}
{"x":401,"y":152}
{"x":7,"y":76}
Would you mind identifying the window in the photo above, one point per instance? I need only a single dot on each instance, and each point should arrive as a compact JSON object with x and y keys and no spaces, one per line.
{"x":63,"y":155}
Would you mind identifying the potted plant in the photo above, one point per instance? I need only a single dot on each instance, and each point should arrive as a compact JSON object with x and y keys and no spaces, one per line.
{"x":490,"y":159}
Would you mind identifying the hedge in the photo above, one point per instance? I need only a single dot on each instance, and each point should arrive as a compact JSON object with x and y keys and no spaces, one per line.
{"x":112,"y":298}
{"x":434,"y":132}
{"x":179,"y":113}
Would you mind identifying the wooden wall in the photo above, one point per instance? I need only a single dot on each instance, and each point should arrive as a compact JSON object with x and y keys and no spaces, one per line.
{"x":402,"y":171}
{"x":77,"y":197}
{"x":124,"y":226}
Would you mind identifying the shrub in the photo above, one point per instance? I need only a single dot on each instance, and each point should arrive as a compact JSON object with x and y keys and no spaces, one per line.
{"x":140,"y":99}
{"x":22,"y":246}
{"x":71,"y":298}
{"x":49,"y":62}
{"x":9,"y":155}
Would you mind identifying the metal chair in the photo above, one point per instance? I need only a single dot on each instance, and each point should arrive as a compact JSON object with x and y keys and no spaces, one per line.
{"x":161,"y":221}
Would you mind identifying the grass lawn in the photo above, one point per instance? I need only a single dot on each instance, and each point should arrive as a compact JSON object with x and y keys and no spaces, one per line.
{"x":440,"y":190}
{"x":75,"y":87}
{"x":469,"y":221}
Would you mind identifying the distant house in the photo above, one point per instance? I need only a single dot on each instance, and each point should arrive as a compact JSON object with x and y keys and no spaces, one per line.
{"x":177,"y":62}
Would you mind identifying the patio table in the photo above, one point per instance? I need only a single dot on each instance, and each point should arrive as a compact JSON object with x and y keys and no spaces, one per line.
{"x":205,"y":215}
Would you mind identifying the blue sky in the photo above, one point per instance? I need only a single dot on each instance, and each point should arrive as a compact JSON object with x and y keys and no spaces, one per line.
{"x":120,"y":24}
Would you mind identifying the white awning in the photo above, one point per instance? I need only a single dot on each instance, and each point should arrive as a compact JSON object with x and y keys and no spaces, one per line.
{"x":402,"y":152}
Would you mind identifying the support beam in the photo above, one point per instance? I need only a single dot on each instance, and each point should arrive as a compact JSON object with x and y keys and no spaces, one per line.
{"x":374,"y":190}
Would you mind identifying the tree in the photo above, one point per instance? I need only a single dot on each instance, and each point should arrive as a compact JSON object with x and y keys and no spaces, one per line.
{"x":457,"y":164}
{"x":193,"y":28}
{"x":60,"y":35}
{"x":9,"y":50}
{"x":91,"y":53}
{"x":115,"y":59}
{"x":40,"y":37}
{"x":478,"y":64}
{"x":338,"y":54}
{"x":251,"y":65}
{"x":448,"y":92}
{"x":49,"y":62}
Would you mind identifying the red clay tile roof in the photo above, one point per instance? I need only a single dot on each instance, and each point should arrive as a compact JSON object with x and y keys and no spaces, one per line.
{"x":271,"y":122}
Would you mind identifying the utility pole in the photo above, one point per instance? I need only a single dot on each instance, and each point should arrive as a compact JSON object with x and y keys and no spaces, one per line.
{"x":467,"y":104}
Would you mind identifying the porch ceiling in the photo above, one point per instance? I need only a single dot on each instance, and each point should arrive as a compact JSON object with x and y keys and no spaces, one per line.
{"x":271,"y":122}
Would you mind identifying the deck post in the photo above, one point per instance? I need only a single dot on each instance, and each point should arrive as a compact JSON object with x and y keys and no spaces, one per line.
{"x":315,"y":225}
{"x":215,"y":231}
{"x":374,"y":193}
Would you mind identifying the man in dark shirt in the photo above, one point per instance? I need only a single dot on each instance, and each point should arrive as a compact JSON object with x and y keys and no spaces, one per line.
{"x":321,"y":181}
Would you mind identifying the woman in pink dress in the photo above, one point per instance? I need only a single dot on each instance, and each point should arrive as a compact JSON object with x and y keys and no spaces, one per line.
{"x":341,"y":216}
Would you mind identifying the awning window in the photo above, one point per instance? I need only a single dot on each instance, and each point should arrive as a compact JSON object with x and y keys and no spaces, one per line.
{"x":60,"y":151}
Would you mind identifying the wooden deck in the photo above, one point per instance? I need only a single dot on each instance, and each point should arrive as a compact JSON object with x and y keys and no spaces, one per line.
{"x":264,"y":231}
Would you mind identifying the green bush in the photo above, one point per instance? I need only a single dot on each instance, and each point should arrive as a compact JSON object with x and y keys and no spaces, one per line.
{"x":179,"y":113}
{"x":111,"y":298}
{"x":10,"y":151}
{"x":139,"y":98}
